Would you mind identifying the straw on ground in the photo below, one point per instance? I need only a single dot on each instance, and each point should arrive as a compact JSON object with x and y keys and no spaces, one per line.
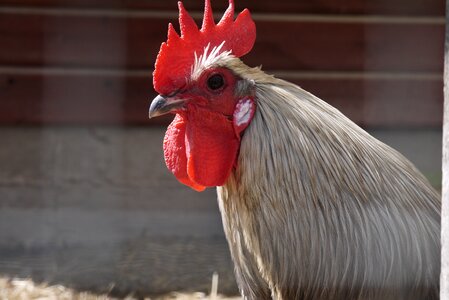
{"x":26,"y":289}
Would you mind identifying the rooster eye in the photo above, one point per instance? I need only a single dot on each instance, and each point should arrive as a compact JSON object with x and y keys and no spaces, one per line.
{"x":215,"y":82}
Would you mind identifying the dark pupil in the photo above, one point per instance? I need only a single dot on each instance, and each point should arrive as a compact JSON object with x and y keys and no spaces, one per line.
{"x":215,"y":82}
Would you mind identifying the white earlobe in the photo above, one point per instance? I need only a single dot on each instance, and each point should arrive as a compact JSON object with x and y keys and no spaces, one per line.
{"x":243,"y":113}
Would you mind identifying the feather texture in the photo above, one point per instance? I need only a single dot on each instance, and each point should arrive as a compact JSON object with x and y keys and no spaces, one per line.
{"x":319,"y":209}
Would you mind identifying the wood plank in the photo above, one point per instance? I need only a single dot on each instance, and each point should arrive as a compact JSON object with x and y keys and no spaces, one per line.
{"x":133,"y":42}
{"x":139,"y":266}
{"x":75,"y":99}
{"x":96,"y":208}
{"x":106,"y":99}
{"x":383,"y":102}
{"x":348,"y":46}
{"x":397,"y":7}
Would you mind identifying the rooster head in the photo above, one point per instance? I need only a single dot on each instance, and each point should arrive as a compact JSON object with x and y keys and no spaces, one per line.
{"x":202,"y":142}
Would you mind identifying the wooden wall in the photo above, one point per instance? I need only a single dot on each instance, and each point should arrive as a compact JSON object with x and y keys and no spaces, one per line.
{"x":90,"y":62}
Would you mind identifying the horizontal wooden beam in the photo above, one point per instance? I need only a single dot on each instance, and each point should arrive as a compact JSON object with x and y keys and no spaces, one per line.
{"x":397,"y":7}
{"x":111,"y":41}
{"x":96,"y":98}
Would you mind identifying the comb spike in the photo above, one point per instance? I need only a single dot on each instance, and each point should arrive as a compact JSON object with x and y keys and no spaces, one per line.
{"x":172,"y":36}
{"x":228,"y":15}
{"x":186,"y":23}
{"x":208,"y":18}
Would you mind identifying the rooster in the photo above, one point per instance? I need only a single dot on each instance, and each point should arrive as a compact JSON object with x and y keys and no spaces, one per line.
{"x":313,"y":207}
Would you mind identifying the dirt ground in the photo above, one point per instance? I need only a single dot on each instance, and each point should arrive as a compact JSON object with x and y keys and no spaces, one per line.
{"x":25,"y":289}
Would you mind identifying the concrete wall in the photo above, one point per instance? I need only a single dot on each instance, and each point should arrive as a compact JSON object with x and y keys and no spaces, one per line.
{"x":96,"y":208}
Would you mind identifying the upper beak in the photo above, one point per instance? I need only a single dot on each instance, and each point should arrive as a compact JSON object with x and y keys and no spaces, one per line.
{"x":162,"y":105}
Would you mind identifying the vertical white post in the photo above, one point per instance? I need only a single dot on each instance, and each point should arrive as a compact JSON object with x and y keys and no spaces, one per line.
{"x":444,"y":279}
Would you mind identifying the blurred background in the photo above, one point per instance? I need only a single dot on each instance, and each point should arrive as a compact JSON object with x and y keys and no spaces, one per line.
{"x":85,"y":198}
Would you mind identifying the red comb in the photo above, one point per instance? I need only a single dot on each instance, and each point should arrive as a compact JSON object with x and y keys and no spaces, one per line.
{"x":176,"y":55}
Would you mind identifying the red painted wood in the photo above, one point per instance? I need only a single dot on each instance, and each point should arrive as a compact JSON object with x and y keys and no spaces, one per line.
{"x":99,"y":99}
{"x":114,"y":42}
{"x":397,"y":7}
{"x":74,"y":99}
{"x":382,"y":102}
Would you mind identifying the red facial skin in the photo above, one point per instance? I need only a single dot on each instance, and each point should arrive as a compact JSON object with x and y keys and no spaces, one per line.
{"x":202,"y":142}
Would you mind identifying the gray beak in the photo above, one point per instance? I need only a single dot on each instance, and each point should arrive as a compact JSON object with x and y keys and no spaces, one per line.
{"x":162,"y":105}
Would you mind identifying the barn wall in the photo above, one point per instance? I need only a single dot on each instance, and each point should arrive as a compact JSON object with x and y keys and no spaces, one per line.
{"x":71,"y":62}
{"x":85,"y":198}
{"x":93,"y":207}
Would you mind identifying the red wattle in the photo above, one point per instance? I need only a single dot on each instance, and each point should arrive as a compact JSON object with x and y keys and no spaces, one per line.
{"x":211,"y":147}
{"x":175,"y":152}
{"x":200,"y":148}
